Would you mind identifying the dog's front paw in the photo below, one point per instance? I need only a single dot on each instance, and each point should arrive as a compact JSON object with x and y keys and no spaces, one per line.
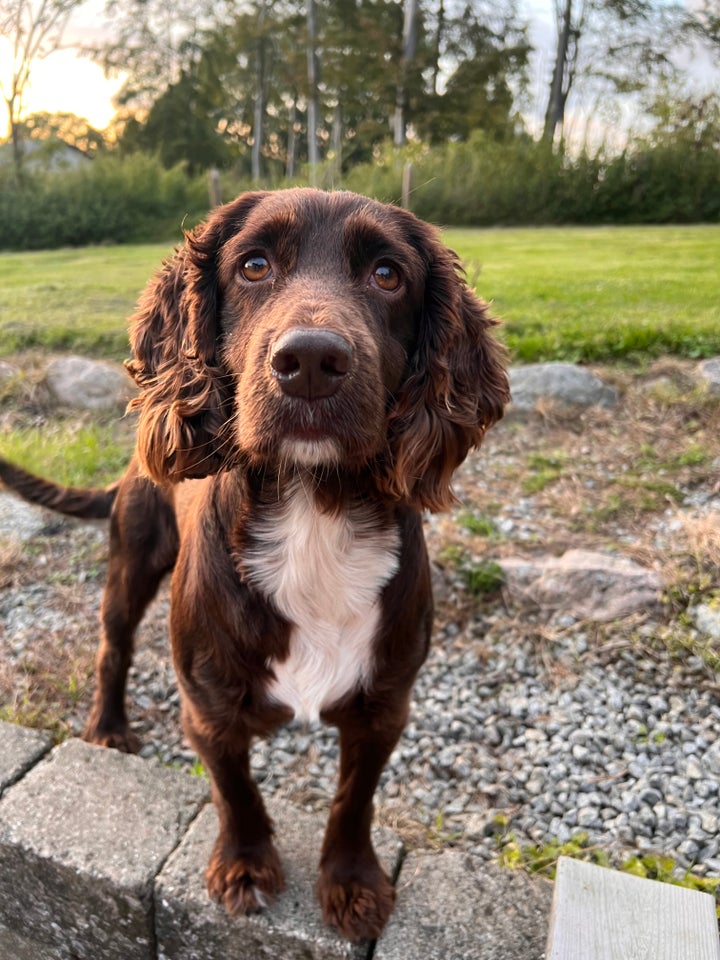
{"x":245,"y":884}
{"x":121,"y":738}
{"x":358,"y":907}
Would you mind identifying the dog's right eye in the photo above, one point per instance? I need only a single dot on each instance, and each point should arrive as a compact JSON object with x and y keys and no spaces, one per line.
{"x":256,"y":267}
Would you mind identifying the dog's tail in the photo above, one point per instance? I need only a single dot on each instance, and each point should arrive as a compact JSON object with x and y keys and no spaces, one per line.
{"x":87,"y":504}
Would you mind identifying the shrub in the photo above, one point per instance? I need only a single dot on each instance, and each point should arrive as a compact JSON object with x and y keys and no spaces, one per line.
{"x":108,"y":201}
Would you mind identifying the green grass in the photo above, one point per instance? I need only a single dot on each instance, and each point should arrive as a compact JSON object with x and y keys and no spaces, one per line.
{"x":76,"y":300}
{"x":599,"y":294}
{"x":82,"y":456}
{"x":580,"y":294}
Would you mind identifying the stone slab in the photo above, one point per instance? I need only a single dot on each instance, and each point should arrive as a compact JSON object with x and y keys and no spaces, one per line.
{"x":192,"y":927}
{"x":453,"y":906}
{"x":82,"y":836}
{"x":20,"y":748}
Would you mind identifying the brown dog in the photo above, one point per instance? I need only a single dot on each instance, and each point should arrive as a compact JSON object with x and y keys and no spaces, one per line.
{"x":311,"y":371}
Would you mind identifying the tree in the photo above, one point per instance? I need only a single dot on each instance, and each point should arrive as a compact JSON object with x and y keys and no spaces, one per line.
{"x":34,"y":29}
{"x":180,"y":127}
{"x":153,"y":43}
{"x":703,"y":22}
{"x":614,"y":45}
{"x":64,"y":128}
{"x":409,"y":47}
{"x":359,"y":79}
{"x":484,"y":55}
{"x":570,"y":21}
{"x":312,"y":87}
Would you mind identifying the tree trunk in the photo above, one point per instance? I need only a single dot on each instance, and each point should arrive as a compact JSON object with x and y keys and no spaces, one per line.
{"x":312,"y":125}
{"x":563,"y":70}
{"x":438,"y":46}
{"x":259,"y":111}
{"x":292,"y":141}
{"x":408,"y":55}
{"x":336,"y":139}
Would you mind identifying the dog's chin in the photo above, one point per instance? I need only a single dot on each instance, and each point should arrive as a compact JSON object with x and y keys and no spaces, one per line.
{"x":323,"y":452}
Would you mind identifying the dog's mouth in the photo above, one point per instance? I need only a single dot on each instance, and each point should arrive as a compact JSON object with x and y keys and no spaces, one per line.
{"x":310,"y":453}
{"x":308,"y":434}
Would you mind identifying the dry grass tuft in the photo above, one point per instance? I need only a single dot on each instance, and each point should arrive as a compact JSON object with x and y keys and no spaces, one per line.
{"x":11,"y":555}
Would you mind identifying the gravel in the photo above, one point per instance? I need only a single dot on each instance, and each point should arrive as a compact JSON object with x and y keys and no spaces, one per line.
{"x":622,"y":745}
{"x":520,"y":726}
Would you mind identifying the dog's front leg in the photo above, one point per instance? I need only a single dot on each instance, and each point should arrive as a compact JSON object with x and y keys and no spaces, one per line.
{"x":244,"y":871}
{"x":355,"y":893}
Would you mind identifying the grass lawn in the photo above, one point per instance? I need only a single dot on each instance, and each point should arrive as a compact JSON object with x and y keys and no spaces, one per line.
{"x":73,"y":299}
{"x":591,"y":294}
{"x":602,"y":293}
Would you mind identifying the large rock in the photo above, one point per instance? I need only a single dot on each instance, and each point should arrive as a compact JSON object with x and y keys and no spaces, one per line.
{"x":709,"y":372}
{"x":19,"y":521}
{"x":582,"y":583}
{"x":707,"y":619}
{"x":564,"y":383}
{"x":452,"y":906}
{"x":21,"y":748}
{"x":88,"y":384}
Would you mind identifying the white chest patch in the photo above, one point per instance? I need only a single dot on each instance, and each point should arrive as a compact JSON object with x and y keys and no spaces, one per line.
{"x":324,"y":573}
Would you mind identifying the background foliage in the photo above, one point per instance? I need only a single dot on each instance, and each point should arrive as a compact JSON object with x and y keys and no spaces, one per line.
{"x":441,"y":84}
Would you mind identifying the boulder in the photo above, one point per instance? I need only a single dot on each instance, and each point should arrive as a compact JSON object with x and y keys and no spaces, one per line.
{"x":7,"y":372}
{"x":565,"y":383}
{"x":19,"y":521}
{"x":582,"y":583}
{"x":85,"y":384}
{"x":709,"y":373}
{"x":707,"y":619}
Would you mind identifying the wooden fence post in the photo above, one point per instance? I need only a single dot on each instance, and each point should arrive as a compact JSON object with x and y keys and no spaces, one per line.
{"x":407,"y":185}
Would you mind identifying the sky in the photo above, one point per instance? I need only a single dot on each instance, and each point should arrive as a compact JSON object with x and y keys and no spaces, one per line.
{"x":65,"y":82}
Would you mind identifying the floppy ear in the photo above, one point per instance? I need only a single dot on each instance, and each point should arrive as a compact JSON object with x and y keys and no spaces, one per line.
{"x":185,"y":394}
{"x":456,"y":389}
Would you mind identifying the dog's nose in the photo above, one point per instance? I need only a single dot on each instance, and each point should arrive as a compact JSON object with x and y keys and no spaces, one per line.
{"x":310,"y":363}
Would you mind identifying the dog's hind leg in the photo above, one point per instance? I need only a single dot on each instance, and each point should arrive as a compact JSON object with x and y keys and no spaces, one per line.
{"x":143,"y":547}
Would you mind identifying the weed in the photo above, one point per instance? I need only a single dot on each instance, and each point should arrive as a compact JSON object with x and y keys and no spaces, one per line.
{"x":543,"y":860}
{"x":478,"y":524}
{"x":437,"y":836}
{"x":483,"y":579}
{"x":27,"y":712}
{"x":544,"y":470}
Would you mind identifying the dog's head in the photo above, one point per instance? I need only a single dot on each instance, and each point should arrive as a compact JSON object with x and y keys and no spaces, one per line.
{"x":310,"y":329}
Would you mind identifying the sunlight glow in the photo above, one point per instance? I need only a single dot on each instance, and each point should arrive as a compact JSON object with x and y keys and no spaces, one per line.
{"x":64,"y":83}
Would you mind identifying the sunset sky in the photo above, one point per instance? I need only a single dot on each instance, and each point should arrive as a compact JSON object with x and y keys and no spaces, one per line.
{"x":65,"y":82}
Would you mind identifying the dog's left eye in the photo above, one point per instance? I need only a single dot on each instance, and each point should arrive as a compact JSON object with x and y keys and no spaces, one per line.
{"x":386,"y":276}
{"x":256,"y":267}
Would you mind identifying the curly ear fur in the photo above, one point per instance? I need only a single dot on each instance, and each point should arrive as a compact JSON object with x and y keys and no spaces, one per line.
{"x":457,"y":387}
{"x":184,"y":392}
